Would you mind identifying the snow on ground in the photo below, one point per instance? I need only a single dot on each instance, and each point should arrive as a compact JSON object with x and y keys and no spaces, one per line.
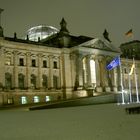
{"x":93,"y":122}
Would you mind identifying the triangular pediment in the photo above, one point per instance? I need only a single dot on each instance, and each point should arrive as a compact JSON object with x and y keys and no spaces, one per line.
{"x":100,"y":44}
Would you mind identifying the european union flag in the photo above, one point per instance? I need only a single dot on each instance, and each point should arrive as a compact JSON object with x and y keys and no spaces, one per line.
{"x":116,"y":62}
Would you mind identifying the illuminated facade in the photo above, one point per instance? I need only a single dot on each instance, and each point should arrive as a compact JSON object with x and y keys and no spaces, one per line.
{"x":59,"y":67}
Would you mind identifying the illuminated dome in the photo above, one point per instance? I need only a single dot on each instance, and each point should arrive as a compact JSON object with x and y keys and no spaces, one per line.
{"x":41,"y":32}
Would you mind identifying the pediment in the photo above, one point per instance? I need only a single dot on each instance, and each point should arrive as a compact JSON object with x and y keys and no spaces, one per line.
{"x":100,"y":44}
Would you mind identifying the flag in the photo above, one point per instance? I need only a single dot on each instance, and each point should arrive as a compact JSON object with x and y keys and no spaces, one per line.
{"x":129,"y":33}
{"x":114,"y":63}
{"x":132,"y":69}
{"x":1,"y":10}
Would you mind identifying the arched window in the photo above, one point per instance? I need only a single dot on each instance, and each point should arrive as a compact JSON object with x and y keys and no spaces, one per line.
{"x":21,"y":81}
{"x":55,"y":64}
{"x":55,"y":82}
{"x":44,"y":81}
{"x":8,"y":80}
{"x":33,"y":81}
{"x":21,"y":62}
{"x":44,"y":64}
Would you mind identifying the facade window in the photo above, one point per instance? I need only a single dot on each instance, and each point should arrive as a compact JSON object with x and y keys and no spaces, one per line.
{"x":23,"y":100}
{"x":44,"y":81}
{"x":8,"y":81}
{"x":55,"y":64}
{"x":21,"y":81}
{"x":36,"y":99}
{"x":10,"y":101}
{"x":47,"y":98}
{"x":33,"y":81}
{"x":21,"y":62}
{"x":55,"y":82}
{"x":44,"y":64}
{"x":33,"y":63}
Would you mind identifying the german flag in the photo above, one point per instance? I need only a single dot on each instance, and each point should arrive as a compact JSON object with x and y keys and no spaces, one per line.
{"x":129,"y":33}
{"x":1,"y":10}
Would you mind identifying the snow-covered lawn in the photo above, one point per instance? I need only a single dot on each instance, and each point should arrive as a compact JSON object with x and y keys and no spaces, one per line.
{"x":93,"y":122}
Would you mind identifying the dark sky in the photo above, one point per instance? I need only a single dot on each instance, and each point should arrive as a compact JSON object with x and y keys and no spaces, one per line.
{"x":84,"y":17}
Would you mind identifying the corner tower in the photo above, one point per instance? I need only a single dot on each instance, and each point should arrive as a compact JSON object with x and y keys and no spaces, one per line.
{"x":63,"y":25}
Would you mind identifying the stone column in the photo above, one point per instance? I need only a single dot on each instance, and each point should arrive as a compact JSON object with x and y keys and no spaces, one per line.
{"x":61,"y":72}
{"x":89,"y":84}
{"x":105,"y":71}
{"x":98,"y":75}
{"x":39,"y":85}
{"x":28,"y":70}
{"x":50,"y":83}
{"x":119,"y":71}
{"x":15,"y":69}
{"x":79,"y":71}
{"x":73,"y":58}
{"x":101,"y":71}
{"x":109,"y":73}
{"x":67,"y":84}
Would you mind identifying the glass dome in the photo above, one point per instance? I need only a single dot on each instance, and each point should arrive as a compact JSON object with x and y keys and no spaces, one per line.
{"x":41,"y":32}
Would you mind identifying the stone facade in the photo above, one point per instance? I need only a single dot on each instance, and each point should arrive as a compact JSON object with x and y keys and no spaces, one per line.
{"x":60,"y":67}
{"x":29,"y":70}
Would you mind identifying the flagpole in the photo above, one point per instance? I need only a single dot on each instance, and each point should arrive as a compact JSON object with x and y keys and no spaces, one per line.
{"x":130,"y":93}
{"x":122,"y":88}
{"x":136,"y":82}
{"x":116,"y":62}
{"x":129,"y":86}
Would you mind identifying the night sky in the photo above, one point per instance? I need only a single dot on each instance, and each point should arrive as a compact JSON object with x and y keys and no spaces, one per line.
{"x":84,"y":17}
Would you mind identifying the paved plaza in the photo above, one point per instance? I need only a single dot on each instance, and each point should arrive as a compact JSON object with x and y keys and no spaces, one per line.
{"x":93,"y":122}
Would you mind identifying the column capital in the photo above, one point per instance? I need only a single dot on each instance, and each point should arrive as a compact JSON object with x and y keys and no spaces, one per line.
{"x":39,"y":54}
{"x":88,"y":56}
{"x":50,"y":56}
{"x":15,"y":52}
{"x":28,"y":53}
{"x":94,"y":56}
{"x":79,"y":55}
{"x":109,"y":58}
{"x":100,"y":58}
{"x":72,"y":56}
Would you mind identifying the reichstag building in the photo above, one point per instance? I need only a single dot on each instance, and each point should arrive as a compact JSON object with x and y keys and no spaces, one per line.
{"x":50,"y":64}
